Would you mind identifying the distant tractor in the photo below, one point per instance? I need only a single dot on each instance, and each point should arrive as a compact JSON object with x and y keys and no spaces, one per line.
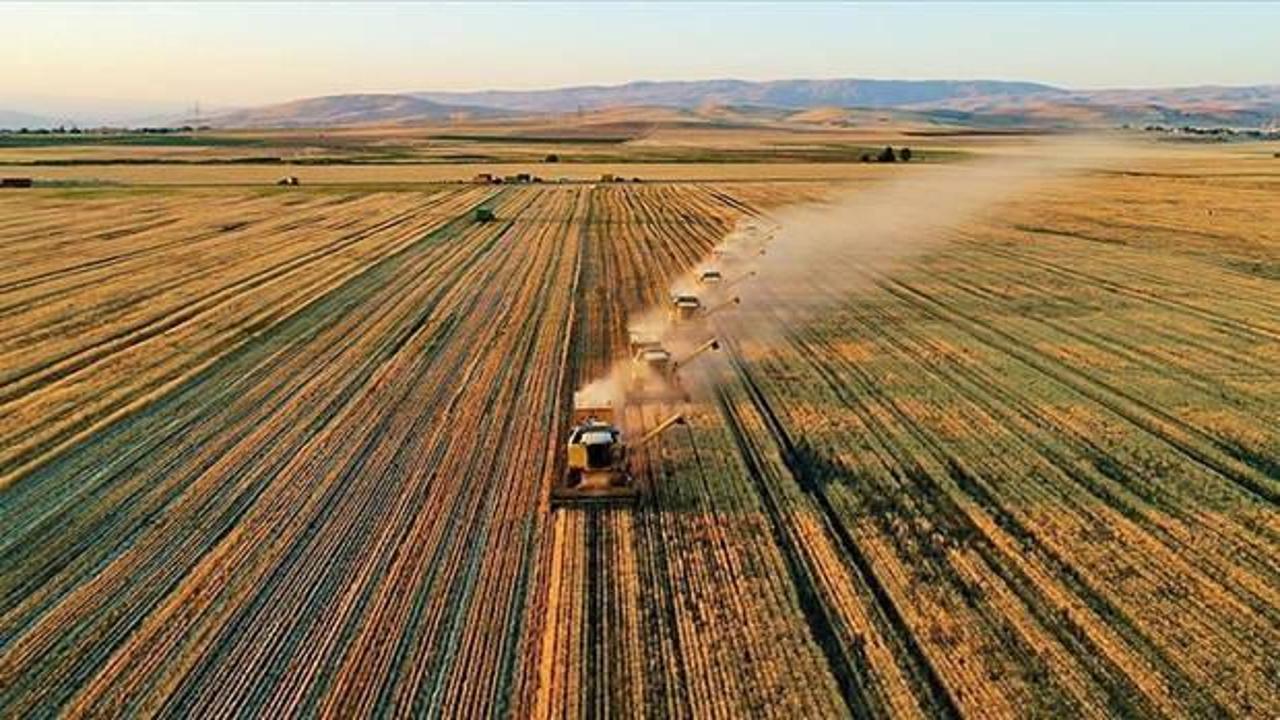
{"x":484,"y":214}
{"x":288,"y":181}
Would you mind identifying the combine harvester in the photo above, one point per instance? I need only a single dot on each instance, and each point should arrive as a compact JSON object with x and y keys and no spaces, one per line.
{"x":598,"y":471}
{"x":710,"y":276}
{"x":654,"y":374}
{"x":686,"y":308}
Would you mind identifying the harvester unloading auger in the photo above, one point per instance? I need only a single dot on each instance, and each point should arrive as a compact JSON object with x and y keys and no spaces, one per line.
{"x":598,"y":470}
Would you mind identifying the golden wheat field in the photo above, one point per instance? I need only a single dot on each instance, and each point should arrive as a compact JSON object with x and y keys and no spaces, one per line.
{"x":272,"y":452}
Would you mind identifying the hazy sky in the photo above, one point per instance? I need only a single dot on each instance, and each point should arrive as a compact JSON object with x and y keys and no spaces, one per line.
{"x":224,"y":53}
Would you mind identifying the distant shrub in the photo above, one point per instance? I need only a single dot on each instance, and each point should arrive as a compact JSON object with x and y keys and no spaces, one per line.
{"x":905,"y":154}
{"x":866,"y":157}
{"x":886,"y":155}
{"x":552,"y":157}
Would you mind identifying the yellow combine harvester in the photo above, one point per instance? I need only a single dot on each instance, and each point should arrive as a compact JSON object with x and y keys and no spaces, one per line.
{"x":598,"y":472}
{"x":654,"y":373}
{"x":686,"y":308}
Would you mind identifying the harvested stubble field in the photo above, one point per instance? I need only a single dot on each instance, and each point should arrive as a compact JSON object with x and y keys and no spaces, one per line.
{"x":272,"y":453}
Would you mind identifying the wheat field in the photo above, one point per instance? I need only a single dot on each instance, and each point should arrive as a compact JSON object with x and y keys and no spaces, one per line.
{"x":276,"y":452}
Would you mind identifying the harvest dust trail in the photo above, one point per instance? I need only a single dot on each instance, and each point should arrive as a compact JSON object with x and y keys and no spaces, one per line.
{"x":818,"y":255}
{"x":817,"y":258}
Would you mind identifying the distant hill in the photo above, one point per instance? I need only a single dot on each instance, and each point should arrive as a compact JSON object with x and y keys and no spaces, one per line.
{"x":983,"y":102}
{"x":332,"y":110}
{"x":1253,"y":106}
{"x":789,"y":94}
{"x":844,"y":102}
{"x":14,"y":120}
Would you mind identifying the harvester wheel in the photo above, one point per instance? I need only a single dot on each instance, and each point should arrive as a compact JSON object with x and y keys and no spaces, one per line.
{"x":573,"y":478}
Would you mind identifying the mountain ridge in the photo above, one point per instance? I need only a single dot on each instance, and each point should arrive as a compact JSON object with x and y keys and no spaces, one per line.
{"x":791,"y":94}
{"x":982,"y":102}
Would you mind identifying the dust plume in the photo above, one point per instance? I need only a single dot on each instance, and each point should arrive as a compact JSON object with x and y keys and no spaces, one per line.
{"x":808,"y":259}
{"x":822,"y":253}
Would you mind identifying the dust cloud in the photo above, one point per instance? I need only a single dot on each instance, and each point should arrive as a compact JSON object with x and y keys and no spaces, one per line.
{"x":823,"y":253}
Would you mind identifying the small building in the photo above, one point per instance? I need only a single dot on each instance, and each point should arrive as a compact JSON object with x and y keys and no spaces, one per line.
{"x":483,"y":178}
{"x":16,"y":182}
{"x":524,"y":177}
{"x":606,"y":177}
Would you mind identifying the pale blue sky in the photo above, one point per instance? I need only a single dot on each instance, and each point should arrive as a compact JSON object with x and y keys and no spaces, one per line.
{"x":230,"y":53}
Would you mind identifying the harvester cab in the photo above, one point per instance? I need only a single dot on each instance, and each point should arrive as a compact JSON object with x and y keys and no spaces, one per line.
{"x":597,"y":470}
{"x":642,"y":341}
{"x":655,"y":361}
{"x":710,"y":276}
{"x":685,"y":308}
{"x":652,"y":373}
{"x":655,"y":373}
